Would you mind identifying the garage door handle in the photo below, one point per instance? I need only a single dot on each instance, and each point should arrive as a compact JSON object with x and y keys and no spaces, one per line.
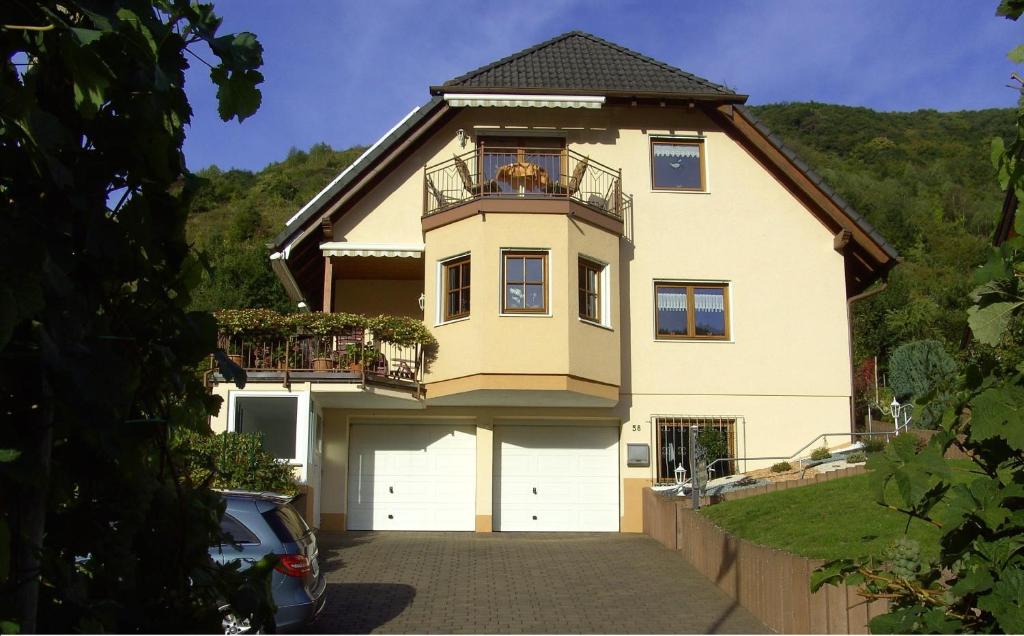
{"x":391,"y":489}
{"x":535,"y":490}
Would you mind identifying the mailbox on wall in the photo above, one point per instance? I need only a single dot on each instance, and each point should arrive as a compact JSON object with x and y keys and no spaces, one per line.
{"x":638,"y":455}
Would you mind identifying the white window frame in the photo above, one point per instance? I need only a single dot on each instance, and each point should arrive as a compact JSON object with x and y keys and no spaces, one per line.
{"x":548,"y":283}
{"x":606,"y":296}
{"x":301,"y":459}
{"x":440,"y":290}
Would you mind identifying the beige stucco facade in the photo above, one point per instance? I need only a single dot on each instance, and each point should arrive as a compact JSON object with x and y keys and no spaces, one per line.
{"x":783,"y":375}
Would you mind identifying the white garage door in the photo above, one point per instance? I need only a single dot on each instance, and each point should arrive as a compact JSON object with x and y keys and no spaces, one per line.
{"x":411,"y":477}
{"x":557,"y":478}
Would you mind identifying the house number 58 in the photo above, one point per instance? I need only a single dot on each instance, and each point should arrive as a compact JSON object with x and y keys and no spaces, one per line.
{"x":636,"y":428}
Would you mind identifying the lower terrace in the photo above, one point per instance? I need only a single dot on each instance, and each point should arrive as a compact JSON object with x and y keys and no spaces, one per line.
{"x":325,"y":347}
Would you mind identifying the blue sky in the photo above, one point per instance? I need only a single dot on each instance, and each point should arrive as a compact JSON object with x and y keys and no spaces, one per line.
{"x":345,"y":72}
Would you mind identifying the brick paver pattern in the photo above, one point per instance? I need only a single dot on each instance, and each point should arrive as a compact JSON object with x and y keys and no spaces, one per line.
{"x":534,"y":583}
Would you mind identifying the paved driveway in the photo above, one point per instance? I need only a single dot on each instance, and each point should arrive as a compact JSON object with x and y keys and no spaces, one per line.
{"x":440,"y":582}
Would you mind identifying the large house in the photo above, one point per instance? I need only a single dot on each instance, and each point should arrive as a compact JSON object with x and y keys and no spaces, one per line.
{"x":608,"y":251}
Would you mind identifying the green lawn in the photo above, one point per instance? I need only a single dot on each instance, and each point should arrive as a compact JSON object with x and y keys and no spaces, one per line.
{"x":831,"y":520}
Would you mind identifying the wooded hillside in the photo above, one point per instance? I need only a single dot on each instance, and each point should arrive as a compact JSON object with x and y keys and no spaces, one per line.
{"x":924,"y":179}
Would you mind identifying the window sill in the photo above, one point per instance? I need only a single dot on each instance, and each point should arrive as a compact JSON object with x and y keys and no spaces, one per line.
{"x":691,"y":340}
{"x":656,"y":191}
{"x":524,"y":314}
{"x":595,"y":324}
{"x":452,"y":322}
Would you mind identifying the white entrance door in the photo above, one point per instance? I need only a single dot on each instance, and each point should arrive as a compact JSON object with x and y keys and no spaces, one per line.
{"x":557,"y":478}
{"x":411,"y":477}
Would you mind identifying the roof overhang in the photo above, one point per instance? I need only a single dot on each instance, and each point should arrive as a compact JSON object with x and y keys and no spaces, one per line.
{"x":508,"y":100}
{"x":387,"y":250}
{"x":867,"y":254}
{"x":730,"y":98}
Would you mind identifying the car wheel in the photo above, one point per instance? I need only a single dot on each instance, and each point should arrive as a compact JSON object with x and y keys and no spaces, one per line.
{"x":232,"y":624}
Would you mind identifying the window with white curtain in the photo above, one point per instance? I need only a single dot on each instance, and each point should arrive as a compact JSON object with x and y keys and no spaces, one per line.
{"x":677,"y":164}
{"x":691,"y":311}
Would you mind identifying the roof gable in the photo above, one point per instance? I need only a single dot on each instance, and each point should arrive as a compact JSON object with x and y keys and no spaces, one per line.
{"x":578,"y":62}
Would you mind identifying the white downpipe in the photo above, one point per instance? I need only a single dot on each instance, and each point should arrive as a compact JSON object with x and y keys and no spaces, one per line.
{"x":279,"y":263}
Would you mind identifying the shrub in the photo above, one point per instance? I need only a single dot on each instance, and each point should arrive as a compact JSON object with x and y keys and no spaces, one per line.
{"x":716,"y":444}
{"x":874,"y":444}
{"x":917,"y":368}
{"x":320,"y":324}
{"x":781,"y":467}
{"x":263,"y":322}
{"x":820,"y":454}
{"x":233,"y":461}
{"x":856,"y":458}
{"x":401,"y":330}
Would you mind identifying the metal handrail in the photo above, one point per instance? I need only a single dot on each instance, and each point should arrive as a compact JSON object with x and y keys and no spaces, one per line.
{"x":802,"y":449}
{"x":524,"y":172}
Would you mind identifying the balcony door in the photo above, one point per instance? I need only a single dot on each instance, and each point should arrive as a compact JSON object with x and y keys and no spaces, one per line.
{"x":523,"y":165}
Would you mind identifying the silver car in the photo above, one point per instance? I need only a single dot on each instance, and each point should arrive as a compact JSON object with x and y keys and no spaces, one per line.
{"x":255,"y":524}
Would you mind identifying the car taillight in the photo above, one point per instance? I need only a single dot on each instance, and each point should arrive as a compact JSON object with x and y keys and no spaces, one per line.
{"x":293,"y":565}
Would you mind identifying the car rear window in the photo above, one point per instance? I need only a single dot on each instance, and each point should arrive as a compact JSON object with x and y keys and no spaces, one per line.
{"x":286,"y":523}
{"x":234,"y":531}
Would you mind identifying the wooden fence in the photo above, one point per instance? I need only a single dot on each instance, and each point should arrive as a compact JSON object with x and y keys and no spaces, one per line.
{"x":773,"y":585}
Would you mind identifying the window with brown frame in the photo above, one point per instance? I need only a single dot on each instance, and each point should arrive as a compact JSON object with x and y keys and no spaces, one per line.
{"x":524,"y":280}
{"x":678,"y":165}
{"x":691,"y":311}
{"x":717,"y":435}
{"x":456,"y":288}
{"x":590,"y":290}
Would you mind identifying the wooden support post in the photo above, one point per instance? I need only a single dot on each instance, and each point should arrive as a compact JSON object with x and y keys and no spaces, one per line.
{"x":328,"y":304}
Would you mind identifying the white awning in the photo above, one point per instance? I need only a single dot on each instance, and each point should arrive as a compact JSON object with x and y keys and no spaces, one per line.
{"x":343,"y":248}
{"x":523,"y":101}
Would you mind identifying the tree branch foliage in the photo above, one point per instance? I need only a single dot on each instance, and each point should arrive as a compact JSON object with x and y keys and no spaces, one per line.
{"x":100,"y":529}
{"x":977,"y":584}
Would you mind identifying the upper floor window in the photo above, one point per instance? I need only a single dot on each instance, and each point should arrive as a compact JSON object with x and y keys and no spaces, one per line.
{"x":698,"y":311}
{"x":590,"y":275}
{"x":524,"y":281}
{"x":677,"y":164}
{"x":456,"y":288}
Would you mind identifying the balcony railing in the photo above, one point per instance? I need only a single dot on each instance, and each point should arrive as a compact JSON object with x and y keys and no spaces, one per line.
{"x":542,"y":173}
{"x":354,"y":356}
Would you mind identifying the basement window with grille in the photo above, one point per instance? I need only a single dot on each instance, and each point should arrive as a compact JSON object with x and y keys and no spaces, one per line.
{"x":716,"y":434}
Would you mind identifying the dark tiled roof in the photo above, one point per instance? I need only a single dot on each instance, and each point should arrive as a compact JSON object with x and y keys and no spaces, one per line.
{"x":578,"y":62}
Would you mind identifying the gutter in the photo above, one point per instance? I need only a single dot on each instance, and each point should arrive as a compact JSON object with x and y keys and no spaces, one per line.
{"x":864,"y":295}
{"x":320,"y":195}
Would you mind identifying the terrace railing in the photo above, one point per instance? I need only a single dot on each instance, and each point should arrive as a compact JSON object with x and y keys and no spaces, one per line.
{"x":353,"y":356}
{"x":542,"y":173}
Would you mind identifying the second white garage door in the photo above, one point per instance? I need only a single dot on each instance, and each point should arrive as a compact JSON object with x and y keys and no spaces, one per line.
{"x":556,"y":478}
{"x":411,"y":477}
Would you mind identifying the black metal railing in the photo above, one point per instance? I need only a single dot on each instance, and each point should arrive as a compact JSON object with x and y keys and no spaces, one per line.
{"x":354,"y":355}
{"x":524,"y":173}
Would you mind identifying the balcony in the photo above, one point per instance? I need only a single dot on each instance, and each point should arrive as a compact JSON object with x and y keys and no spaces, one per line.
{"x":524,"y":173}
{"x":386,"y":351}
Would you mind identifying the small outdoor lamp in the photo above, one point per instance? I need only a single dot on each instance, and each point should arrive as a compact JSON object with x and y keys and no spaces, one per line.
{"x":680,"y":474}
